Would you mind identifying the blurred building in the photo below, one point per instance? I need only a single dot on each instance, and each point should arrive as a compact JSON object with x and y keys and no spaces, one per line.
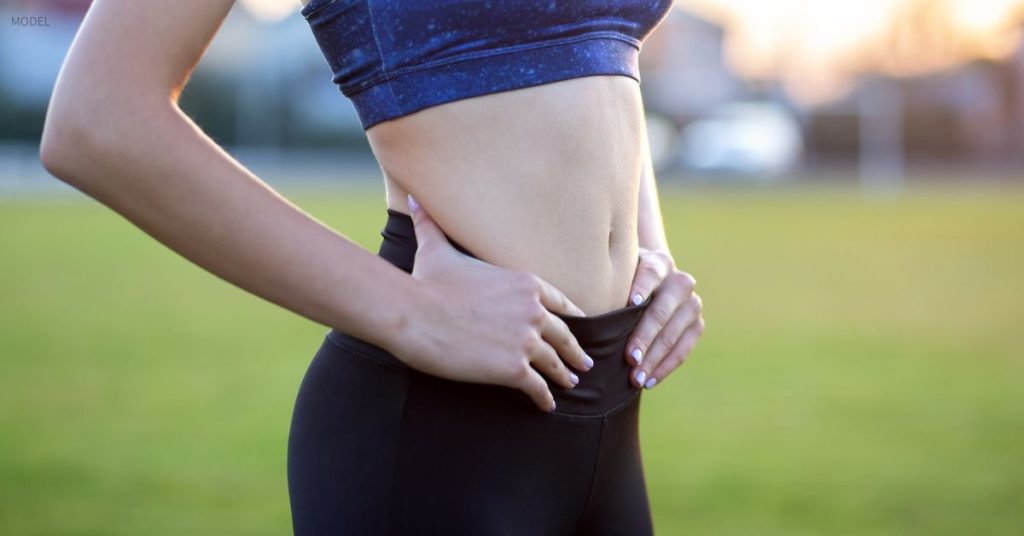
{"x":683,"y":68}
{"x":716,"y":122}
{"x":972,"y":114}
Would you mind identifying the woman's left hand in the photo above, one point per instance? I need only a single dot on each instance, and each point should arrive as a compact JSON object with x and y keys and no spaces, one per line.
{"x":672,"y":323}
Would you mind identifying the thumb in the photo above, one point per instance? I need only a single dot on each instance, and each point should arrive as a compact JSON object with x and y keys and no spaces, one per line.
{"x":428,"y":234}
{"x":648,"y":276}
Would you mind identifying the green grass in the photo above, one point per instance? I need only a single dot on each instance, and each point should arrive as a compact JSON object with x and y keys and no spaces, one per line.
{"x":861,"y":372}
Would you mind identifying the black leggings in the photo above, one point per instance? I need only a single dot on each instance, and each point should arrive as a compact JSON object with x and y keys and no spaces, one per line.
{"x":377,"y":447}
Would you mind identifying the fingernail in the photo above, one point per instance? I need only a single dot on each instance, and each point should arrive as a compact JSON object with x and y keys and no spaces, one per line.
{"x":413,"y":205}
{"x":588,"y":362}
{"x":574,"y":378}
{"x":552,"y":405}
{"x":650,"y":383}
{"x":637,"y":355}
{"x":637,"y":299}
{"x":640,"y":377}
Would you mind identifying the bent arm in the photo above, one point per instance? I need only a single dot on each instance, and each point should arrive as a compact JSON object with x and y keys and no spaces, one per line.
{"x":115,"y":132}
{"x":650,"y":225}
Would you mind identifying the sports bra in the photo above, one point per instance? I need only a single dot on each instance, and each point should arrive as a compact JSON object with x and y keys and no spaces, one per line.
{"x":394,"y":57}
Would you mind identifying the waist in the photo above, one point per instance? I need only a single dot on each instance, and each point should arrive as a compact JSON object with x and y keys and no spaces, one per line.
{"x":603,"y":389}
{"x":543,"y":179}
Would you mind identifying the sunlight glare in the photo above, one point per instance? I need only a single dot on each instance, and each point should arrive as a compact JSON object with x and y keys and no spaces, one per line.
{"x":816,"y":46}
{"x":271,"y":10}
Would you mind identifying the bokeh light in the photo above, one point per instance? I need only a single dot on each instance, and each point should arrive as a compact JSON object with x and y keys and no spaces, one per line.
{"x":815,"y":47}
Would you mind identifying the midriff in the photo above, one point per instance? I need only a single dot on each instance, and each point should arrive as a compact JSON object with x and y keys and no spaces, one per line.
{"x":543,"y":179}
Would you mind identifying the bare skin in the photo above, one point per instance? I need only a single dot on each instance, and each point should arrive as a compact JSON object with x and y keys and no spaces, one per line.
{"x":114,"y":131}
{"x":543,"y":179}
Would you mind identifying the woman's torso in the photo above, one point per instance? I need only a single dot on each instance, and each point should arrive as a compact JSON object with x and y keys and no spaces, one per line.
{"x":543,"y":179}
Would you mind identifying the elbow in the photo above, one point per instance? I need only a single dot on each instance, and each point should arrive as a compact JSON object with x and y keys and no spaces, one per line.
{"x":77,"y":149}
{"x":50,"y":155}
{"x":62,"y":145}
{"x":77,"y":139}
{"x":82,"y":143}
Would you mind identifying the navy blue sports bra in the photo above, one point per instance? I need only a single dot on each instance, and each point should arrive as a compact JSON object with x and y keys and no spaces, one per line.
{"x":394,"y":57}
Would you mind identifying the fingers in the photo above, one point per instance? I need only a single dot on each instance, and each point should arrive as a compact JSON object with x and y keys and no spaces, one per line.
{"x":677,"y":356}
{"x":428,"y":234}
{"x":671,"y":294}
{"x":667,"y":337}
{"x":555,"y":345}
{"x":661,"y":309}
{"x":557,"y":334}
{"x":531,"y":383}
{"x":553,"y":299}
{"x":542,"y":356}
{"x":652,"y":268}
{"x":665,"y":341}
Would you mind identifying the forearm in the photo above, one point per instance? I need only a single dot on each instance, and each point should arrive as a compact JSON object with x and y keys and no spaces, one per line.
{"x":650,"y":225}
{"x":155,"y":167}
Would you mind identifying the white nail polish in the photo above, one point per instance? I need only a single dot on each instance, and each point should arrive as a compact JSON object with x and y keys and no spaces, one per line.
{"x":637,"y":355}
{"x":650,"y":383}
{"x":640,"y":377}
{"x":637,"y":299}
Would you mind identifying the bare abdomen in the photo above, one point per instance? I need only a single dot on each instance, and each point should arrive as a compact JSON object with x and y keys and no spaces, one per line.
{"x":542,"y":179}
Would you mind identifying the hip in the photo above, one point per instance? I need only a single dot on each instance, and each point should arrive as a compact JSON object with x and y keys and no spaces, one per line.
{"x":377,"y":447}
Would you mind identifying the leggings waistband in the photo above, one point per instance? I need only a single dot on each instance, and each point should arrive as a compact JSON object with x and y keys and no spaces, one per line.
{"x":602,"y":389}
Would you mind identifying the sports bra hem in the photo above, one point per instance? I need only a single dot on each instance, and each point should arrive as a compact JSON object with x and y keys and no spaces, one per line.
{"x":413,"y":88}
{"x":354,"y":88}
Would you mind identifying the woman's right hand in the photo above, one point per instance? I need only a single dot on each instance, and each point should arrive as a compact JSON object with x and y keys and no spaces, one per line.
{"x":486,"y":324}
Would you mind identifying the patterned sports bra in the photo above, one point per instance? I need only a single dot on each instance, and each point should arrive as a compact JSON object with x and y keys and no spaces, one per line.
{"x":395,"y":57}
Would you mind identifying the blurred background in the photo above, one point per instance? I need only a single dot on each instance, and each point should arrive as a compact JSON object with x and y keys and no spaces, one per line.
{"x":844,"y":179}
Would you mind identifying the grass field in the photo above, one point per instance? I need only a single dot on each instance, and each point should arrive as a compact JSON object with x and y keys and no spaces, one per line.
{"x":862,"y":371}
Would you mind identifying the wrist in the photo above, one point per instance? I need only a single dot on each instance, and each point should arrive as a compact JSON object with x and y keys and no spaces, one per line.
{"x":408,"y":332}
